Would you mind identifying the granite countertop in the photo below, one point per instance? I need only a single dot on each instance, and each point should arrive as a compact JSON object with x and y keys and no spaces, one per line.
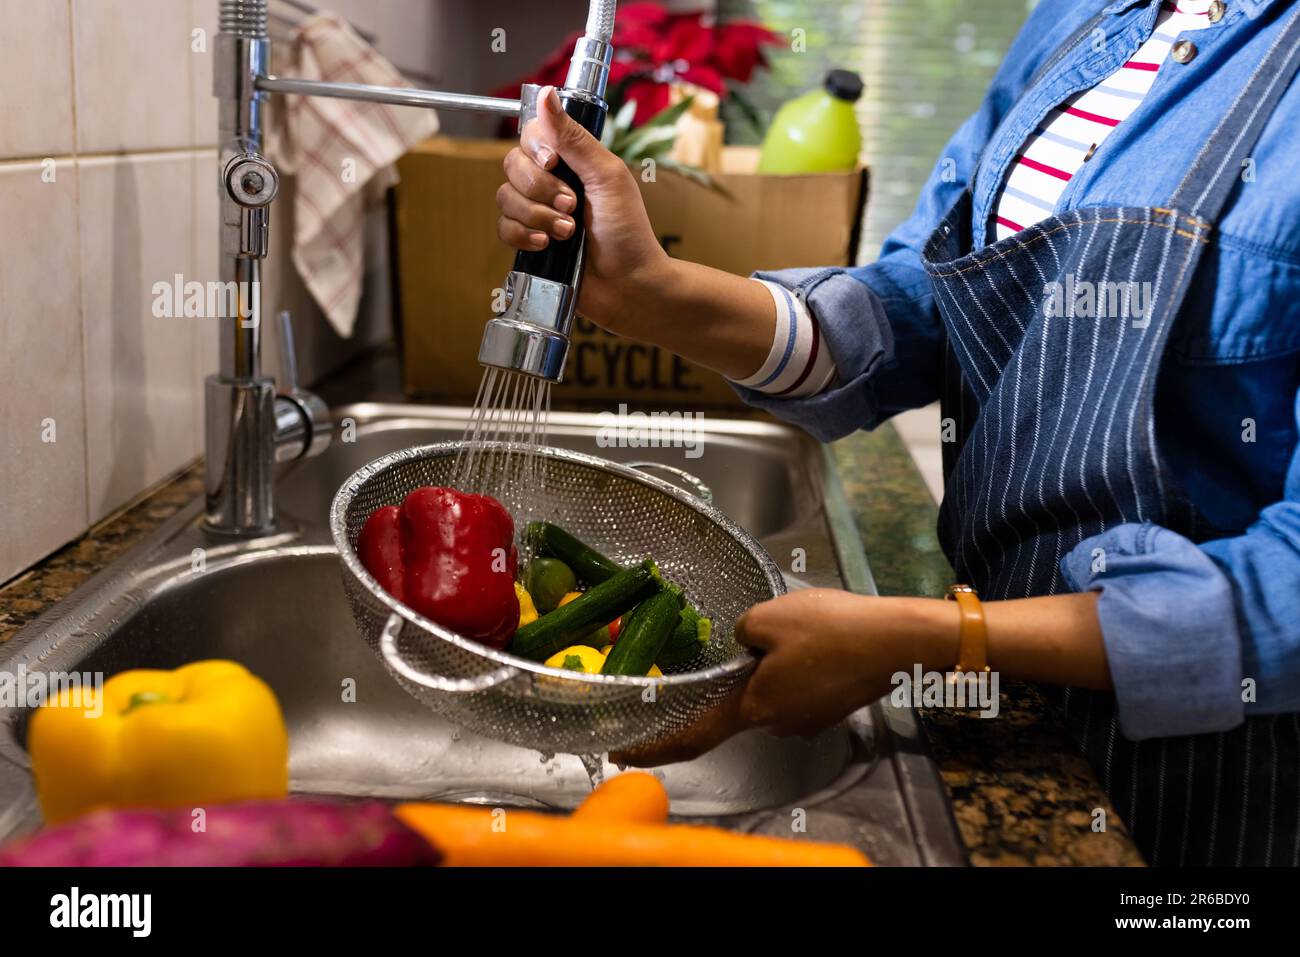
{"x":1019,"y":792}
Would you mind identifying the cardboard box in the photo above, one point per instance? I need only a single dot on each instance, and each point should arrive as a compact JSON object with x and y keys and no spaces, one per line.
{"x":451,"y":264}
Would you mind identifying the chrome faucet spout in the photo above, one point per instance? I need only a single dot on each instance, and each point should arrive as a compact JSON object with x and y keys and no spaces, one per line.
{"x":249,"y":427}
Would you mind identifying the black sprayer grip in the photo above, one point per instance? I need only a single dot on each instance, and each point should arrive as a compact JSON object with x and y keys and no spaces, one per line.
{"x":558,"y":262}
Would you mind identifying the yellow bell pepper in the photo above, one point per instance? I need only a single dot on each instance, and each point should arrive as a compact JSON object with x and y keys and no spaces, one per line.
{"x":208,"y":733}
{"x":527,"y":610}
{"x":577,"y":658}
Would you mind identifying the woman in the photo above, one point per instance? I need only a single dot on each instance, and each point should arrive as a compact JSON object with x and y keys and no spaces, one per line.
{"x":1100,"y":282}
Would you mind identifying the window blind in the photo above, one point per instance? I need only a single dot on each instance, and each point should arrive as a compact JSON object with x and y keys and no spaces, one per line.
{"x":926,"y":65}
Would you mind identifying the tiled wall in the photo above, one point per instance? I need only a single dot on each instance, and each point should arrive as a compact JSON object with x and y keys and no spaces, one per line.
{"x":107,"y":186}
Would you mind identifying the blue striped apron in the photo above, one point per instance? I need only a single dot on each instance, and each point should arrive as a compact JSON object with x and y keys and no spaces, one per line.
{"x":1056,"y":442}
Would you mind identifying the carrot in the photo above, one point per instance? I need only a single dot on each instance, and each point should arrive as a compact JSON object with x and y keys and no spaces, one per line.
{"x":634,"y":797}
{"x":484,"y":837}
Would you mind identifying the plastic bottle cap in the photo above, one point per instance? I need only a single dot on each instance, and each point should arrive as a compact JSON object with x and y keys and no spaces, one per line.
{"x":844,"y":85}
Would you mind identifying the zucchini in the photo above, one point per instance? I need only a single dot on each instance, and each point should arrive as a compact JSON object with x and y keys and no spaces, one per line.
{"x":687,"y":640}
{"x":593,"y":567}
{"x":587,"y":563}
{"x":598,"y":605}
{"x":644,"y":634}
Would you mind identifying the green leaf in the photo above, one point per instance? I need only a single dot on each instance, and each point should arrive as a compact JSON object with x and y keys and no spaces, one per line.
{"x":635,"y":144}
{"x":669,"y":115}
{"x":625,"y":115}
{"x":619,"y":126}
{"x":638,"y":142}
{"x":693,"y":173}
{"x":656,"y":150}
{"x":748,"y":110}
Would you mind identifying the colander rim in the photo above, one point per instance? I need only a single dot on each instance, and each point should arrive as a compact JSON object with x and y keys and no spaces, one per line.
{"x":338,"y":531}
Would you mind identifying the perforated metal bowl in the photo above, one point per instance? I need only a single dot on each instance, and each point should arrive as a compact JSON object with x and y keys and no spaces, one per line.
{"x":621,"y":512}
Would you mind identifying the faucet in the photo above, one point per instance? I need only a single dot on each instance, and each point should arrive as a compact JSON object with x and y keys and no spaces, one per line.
{"x":249,"y":426}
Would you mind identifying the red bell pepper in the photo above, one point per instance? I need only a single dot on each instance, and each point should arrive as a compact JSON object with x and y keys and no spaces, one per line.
{"x":450,"y":556}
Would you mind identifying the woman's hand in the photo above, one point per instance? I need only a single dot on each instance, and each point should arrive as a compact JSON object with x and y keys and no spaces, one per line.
{"x":623,"y":254}
{"x":630,"y":285}
{"x":824,"y":655}
{"x":827,"y":653}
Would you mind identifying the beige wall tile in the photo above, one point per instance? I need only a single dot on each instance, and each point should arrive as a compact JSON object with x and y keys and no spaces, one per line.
{"x":136,"y":230}
{"x":407,"y":32}
{"x":205,"y":268}
{"x":203,"y":16}
{"x":35,"y":79}
{"x":42,"y":484}
{"x":133,"y":74}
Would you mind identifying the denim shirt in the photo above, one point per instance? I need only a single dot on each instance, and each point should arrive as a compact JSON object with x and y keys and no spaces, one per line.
{"x":1185,"y":623}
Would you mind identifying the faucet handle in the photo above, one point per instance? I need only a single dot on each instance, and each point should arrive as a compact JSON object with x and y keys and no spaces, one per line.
{"x":288,"y":355}
{"x":303,"y":421}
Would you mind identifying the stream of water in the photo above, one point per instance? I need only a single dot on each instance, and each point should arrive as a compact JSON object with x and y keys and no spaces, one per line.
{"x":499,"y":449}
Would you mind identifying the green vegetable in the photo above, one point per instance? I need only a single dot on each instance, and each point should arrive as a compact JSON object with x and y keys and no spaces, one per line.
{"x":687,"y":640}
{"x":572,"y":663}
{"x":593,"y":568}
{"x":598,"y":605}
{"x":590,"y":565}
{"x":548,"y":580}
{"x":644,"y":634}
{"x":597,"y":639}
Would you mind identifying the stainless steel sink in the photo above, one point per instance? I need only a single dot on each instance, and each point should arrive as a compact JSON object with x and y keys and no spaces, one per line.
{"x":277,"y":605}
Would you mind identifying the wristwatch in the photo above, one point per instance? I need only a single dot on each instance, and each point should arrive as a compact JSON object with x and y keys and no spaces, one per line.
{"x":974,"y":636}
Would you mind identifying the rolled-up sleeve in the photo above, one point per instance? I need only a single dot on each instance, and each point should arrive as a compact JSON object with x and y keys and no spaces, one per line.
{"x":1199,"y":636}
{"x":1167,"y":617}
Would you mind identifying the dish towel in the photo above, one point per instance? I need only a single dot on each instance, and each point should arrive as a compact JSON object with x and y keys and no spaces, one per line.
{"x":342,"y":153}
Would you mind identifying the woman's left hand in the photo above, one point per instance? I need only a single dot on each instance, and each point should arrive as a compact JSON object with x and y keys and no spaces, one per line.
{"x":823,"y":655}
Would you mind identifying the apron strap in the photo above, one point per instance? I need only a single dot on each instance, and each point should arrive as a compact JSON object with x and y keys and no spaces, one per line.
{"x":1207,"y":184}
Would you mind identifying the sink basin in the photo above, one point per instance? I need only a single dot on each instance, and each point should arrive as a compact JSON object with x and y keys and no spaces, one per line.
{"x":277,"y":605}
{"x":760,"y":480}
{"x":285,"y":617}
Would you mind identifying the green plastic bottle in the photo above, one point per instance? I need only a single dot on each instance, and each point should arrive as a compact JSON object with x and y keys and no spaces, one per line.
{"x":817,"y":132}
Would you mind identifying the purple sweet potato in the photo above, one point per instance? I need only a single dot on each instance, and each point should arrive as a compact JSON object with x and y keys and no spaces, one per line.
{"x":293,"y":833}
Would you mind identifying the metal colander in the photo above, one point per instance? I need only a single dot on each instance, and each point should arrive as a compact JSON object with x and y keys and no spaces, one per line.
{"x":621,"y":512}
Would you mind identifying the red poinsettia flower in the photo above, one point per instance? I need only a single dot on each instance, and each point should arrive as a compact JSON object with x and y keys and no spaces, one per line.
{"x":651,"y":98}
{"x":639,"y":25}
{"x":685,"y":38}
{"x":740,"y":49}
{"x":655,"y":48}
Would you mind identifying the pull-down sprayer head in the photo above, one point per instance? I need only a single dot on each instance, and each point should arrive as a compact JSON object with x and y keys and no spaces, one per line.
{"x":532,"y":335}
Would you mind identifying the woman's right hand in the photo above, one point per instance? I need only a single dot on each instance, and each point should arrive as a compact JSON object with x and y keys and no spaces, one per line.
{"x":623,"y":254}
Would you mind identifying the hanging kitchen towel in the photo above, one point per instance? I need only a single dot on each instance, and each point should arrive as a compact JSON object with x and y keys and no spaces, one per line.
{"x":343,"y":154}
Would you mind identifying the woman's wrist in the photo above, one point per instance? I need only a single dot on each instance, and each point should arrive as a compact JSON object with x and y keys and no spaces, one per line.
{"x":631,"y":304}
{"x":927,"y":633}
{"x":1054,"y":639}
{"x":716,"y":319}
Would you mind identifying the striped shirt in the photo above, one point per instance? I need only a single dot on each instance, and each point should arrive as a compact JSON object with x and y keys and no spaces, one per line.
{"x":1073,"y":132}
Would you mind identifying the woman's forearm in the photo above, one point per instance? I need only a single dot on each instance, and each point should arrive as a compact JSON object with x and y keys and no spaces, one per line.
{"x":1054,"y":639}
{"x":715,"y":319}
